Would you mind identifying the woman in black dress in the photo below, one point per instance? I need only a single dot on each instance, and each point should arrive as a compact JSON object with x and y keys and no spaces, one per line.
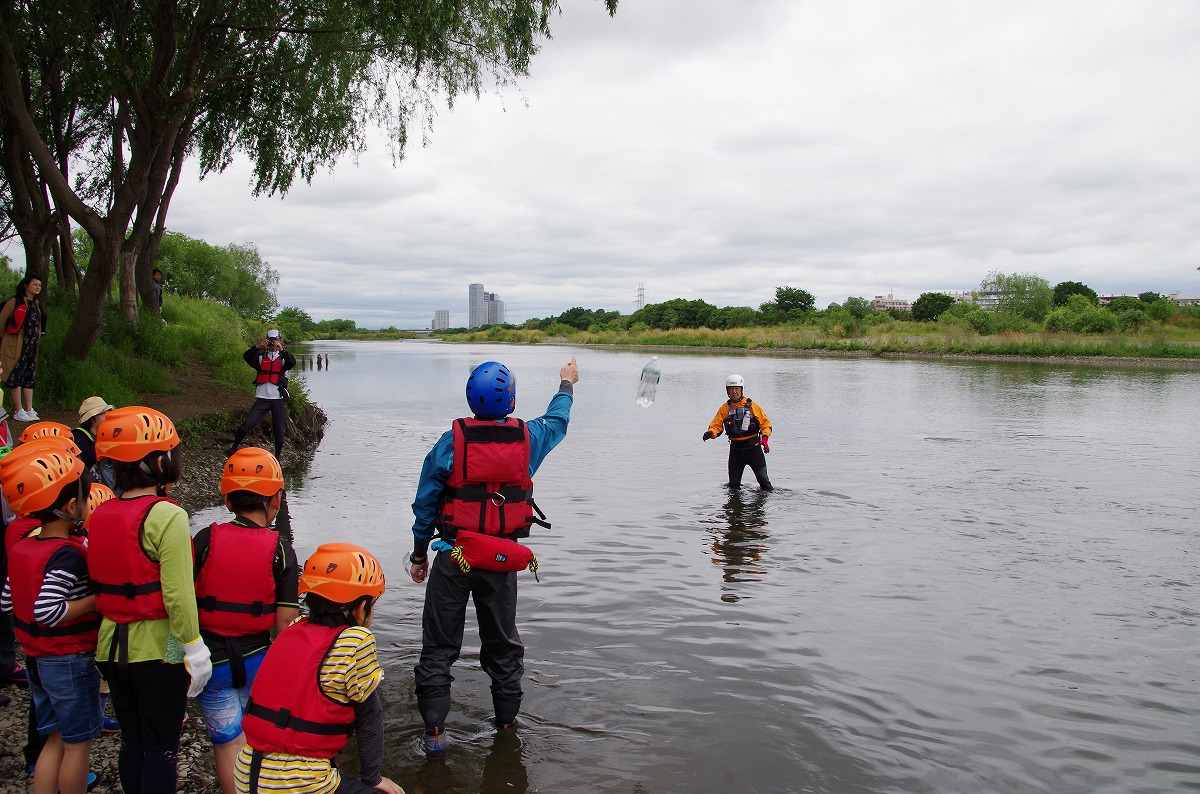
{"x":23,"y":318}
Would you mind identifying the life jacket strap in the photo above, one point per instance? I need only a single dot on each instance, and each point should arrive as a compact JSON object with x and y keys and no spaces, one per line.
{"x":284,"y":719}
{"x":38,"y":630}
{"x":255,"y":609}
{"x":127,"y":589}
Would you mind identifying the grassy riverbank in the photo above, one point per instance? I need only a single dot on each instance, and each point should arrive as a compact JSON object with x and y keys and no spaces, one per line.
{"x":892,"y":338}
{"x":191,"y":369}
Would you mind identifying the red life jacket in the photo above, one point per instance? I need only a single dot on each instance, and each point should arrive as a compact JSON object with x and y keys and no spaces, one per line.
{"x":489,"y":489}
{"x":288,"y":712}
{"x":19,"y":528}
{"x":124,"y":578}
{"x":235,"y":587}
{"x":269,"y":371}
{"x":26,"y":572}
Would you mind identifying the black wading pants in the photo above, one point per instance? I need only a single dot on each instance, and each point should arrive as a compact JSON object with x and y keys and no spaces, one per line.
{"x":748,"y":453}
{"x":501,"y":653}
{"x":278,"y":411}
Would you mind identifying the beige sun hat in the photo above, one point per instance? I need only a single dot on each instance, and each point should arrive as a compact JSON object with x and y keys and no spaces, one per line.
{"x":91,"y":407}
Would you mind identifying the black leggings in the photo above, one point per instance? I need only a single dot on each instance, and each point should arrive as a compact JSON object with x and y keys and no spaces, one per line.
{"x":150,"y":700}
{"x":752,"y":456}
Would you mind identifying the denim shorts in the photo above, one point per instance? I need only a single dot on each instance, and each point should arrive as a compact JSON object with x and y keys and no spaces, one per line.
{"x":221,"y":705}
{"x":66,"y":696}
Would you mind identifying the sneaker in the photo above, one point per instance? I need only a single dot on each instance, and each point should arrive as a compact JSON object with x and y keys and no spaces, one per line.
{"x":110,"y":725}
{"x":33,"y":416}
{"x":434,"y":743}
{"x":21,"y":416}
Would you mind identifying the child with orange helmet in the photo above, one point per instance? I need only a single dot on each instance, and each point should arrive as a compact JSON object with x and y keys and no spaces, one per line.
{"x":140,"y":553}
{"x":318,"y":684}
{"x":246,"y":585}
{"x":48,"y":593}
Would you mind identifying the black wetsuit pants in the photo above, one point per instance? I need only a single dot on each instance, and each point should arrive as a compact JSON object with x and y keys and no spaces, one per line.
{"x":749,"y":455}
{"x":501,"y":652}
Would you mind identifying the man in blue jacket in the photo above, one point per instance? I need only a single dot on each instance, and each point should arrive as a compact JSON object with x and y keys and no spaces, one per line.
{"x":485,"y":496}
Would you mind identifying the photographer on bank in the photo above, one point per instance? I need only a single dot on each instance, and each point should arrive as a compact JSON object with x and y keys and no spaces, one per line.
{"x":271,"y":364}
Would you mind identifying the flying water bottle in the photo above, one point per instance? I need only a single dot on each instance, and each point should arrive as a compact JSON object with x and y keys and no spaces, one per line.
{"x":649,"y":383}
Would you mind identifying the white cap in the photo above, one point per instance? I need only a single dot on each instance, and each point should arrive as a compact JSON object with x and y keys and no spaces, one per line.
{"x":273,"y":333}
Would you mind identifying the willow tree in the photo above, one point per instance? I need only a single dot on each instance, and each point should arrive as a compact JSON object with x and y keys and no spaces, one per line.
{"x":294,"y":86}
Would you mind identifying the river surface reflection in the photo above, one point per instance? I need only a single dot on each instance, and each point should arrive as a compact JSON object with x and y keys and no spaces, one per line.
{"x":972,"y":576}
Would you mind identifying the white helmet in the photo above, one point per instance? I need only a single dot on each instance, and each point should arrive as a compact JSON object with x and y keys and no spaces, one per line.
{"x":735,"y":380}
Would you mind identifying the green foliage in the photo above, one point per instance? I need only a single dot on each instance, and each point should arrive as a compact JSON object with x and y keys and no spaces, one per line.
{"x":858,"y":307}
{"x":1065,"y":289}
{"x":1131,"y":319}
{"x":676,"y":313}
{"x":1020,"y":293}
{"x":1080,"y":316}
{"x":130,"y":361}
{"x":788,"y":299}
{"x":1161,"y":310}
{"x":1125,"y":303}
{"x":234,"y":275}
{"x":930,"y":305}
{"x":1149,"y":297}
{"x":838,"y":322}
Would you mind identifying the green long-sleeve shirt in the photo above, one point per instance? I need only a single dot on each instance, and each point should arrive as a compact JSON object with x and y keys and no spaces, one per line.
{"x":168,"y":540}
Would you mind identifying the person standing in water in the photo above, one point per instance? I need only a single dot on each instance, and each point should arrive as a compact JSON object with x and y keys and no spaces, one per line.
{"x":476,"y":488}
{"x":746,"y":425}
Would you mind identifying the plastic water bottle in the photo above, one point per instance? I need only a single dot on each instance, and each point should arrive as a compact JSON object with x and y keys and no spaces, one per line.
{"x":649,"y":383}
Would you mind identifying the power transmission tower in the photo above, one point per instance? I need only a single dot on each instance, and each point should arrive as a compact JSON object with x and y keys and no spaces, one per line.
{"x":641,"y":296}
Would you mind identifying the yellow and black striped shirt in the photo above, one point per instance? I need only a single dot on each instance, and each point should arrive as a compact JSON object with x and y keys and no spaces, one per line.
{"x":350,"y":673}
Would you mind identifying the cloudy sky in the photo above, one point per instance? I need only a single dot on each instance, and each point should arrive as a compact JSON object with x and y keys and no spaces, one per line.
{"x":718,"y":149}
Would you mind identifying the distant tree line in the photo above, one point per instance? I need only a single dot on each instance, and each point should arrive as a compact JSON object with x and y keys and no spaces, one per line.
{"x":1003,"y":302}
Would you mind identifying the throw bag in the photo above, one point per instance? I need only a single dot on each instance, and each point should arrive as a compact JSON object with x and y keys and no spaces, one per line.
{"x":491,"y":553}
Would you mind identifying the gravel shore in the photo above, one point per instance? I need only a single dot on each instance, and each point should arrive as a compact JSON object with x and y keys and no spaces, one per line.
{"x":197,"y":774}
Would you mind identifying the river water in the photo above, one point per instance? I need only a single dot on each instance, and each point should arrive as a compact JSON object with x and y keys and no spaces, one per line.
{"x":972,"y":577}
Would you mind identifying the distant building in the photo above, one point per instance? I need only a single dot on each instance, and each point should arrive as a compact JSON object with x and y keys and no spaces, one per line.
{"x":484,"y":308}
{"x":963,"y":296}
{"x":476,"y":311}
{"x":441,"y":319}
{"x":1104,"y":300}
{"x":882,"y":304}
{"x":494,"y":307}
{"x":1180,"y":299}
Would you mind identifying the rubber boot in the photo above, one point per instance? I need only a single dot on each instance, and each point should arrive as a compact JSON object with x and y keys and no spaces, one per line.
{"x":506,"y":713}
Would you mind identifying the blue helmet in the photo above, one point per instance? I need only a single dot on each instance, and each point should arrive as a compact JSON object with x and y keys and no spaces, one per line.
{"x":491,"y":391}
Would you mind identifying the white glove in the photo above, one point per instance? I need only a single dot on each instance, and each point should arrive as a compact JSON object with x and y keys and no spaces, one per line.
{"x":198,"y":662}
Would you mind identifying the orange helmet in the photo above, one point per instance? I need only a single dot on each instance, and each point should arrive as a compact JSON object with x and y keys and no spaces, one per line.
{"x":44,"y":429}
{"x":99,"y":494}
{"x":342,"y":572}
{"x":131,"y":433}
{"x":32,"y":480}
{"x":64,"y":442}
{"x":252,"y":469}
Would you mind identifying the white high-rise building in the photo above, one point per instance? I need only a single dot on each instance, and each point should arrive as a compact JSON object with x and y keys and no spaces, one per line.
{"x":484,"y":308}
{"x":496,"y":315}
{"x":476,"y":310}
{"x":441,"y":319}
